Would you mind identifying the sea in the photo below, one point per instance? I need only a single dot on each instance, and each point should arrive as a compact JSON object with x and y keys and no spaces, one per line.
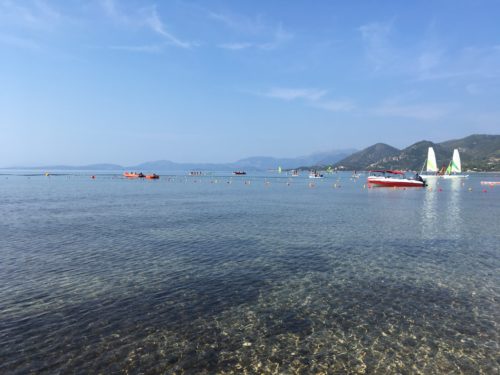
{"x":257,"y":274}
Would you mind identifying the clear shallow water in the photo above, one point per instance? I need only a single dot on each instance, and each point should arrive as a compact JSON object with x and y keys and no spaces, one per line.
{"x":198,"y":275}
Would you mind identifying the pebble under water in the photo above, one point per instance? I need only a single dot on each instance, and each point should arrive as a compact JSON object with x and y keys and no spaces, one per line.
{"x":248,"y":274}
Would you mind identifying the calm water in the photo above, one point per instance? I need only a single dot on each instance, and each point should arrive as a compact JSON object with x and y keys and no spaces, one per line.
{"x":260,"y":275}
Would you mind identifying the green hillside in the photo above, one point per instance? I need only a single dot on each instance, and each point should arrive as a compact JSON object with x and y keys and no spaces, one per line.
{"x":477,"y":152}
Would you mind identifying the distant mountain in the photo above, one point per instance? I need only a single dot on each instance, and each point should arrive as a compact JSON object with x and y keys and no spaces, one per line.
{"x":370,"y":156}
{"x":252,"y":163}
{"x":89,"y":167}
{"x":477,"y":152}
{"x":264,"y":163}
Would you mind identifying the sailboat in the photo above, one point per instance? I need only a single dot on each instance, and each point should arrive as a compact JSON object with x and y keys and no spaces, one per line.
{"x":431,"y":165}
{"x":454,"y":169}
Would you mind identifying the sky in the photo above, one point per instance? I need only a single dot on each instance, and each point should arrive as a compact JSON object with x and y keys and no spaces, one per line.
{"x":109,"y":81}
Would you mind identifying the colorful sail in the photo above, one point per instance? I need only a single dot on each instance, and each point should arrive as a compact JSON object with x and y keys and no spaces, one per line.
{"x":431,"y":161}
{"x":448,"y":170}
{"x":456,"y":166}
{"x":279,"y":169}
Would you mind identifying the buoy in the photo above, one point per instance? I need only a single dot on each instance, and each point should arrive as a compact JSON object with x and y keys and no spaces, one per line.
{"x":470,"y":189}
{"x":440,"y":189}
{"x":92,"y":177}
{"x":485,"y":191}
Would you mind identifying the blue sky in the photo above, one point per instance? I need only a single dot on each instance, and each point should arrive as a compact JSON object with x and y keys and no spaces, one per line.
{"x":214,"y":81}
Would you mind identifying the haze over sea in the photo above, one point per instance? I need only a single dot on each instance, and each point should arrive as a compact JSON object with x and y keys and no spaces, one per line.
{"x":260,"y":273}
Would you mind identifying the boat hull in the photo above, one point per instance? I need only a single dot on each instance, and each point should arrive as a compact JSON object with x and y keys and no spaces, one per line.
{"x":454,"y":176}
{"x":394,"y":182}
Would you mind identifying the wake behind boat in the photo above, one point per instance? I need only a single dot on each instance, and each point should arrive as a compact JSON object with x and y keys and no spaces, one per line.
{"x":392,"y":178}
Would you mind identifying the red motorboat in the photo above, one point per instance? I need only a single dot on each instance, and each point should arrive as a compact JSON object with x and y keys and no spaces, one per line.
{"x":391,"y":178}
{"x":133,"y":175}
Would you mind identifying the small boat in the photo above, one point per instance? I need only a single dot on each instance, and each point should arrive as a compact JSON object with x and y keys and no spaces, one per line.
{"x":315,"y":174}
{"x":393,"y":178}
{"x":455,"y":167}
{"x":355,"y":175}
{"x":195,"y":173}
{"x":491,"y":183}
{"x":239,"y":173}
{"x":295,"y":173}
{"x":431,"y":165}
{"x":153,"y":176}
{"x":133,"y":175}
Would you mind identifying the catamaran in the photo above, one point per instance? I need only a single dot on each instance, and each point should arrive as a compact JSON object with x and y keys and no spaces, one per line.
{"x":431,"y":165}
{"x":454,"y":169}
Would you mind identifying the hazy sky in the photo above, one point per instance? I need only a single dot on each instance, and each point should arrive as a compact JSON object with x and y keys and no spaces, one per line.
{"x":212,"y":81}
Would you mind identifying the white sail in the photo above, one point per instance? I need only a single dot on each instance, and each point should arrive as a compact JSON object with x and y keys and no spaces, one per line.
{"x":456,"y":166}
{"x":431,"y":161}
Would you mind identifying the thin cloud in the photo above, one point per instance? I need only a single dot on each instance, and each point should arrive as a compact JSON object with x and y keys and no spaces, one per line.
{"x":270,"y":36}
{"x":236,"y":46}
{"x":336,"y":105}
{"x":146,"y":48}
{"x":292,"y":94}
{"x":18,"y":42}
{"x":423,"y":111}
{"x":155,"y":23}
{"x":313,"y":97}
{"x":377,"y":47}
{"x":240,"y":23}
{"x":470,"y":62}
{"x":35,"y":15}
{"x":147,"y":17}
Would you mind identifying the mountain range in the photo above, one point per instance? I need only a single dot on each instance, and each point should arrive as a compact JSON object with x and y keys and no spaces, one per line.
{"x":478,"y":152}
{"x":252,"y":163}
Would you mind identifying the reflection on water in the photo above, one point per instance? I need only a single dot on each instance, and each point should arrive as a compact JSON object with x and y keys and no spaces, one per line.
{"x":429,"y":213}
{"x":453,"y":208}
{"x":258,"y":275}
